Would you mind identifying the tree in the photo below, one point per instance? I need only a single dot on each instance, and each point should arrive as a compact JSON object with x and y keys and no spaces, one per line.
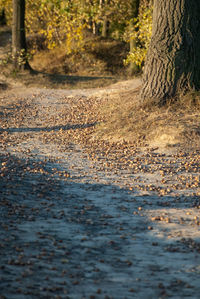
{"x":2,"y":17}
{"x":173,"y":59}
{"x":19,"y":48}
{"x":105,"y":23}
{"x":133,"y":45}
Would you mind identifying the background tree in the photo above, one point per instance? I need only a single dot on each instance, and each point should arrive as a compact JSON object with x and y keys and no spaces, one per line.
{"x":105,"y":21}
{"x":54,"y":23}
{"x":139,"y":36}
{"x":19,"y":48}
{"x":173,"y":59}
{"x":2,"y":17}
{"x":133,"y":43}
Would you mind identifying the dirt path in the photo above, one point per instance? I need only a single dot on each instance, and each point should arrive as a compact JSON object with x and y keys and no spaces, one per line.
{"x":75,"y":226}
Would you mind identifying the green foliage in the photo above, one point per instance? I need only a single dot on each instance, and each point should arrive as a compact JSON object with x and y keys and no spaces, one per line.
{"x":60,"y":20}
{"x":7,"y":6}
{"x":6,"y":59}
{"x":140,"y":33}
{"x":65,"y":22}
{"x":56,"y":20}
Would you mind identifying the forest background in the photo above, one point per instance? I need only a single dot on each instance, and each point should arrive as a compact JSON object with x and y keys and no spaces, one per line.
{"x":85,"y":37}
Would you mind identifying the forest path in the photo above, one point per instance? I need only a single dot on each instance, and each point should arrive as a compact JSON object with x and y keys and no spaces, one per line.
{"x":73,"y":227}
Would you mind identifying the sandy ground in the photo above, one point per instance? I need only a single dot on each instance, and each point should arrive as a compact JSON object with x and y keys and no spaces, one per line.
{"x":125,"y":224}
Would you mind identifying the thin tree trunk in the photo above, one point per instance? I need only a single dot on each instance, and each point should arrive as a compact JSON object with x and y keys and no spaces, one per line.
{"x":173,"y":59}
{"x":135,"y":10}
{"x":2,"y":17}
{"x":105,"y":27}
{"x":19,"y":48}
{"x":105,"y":23}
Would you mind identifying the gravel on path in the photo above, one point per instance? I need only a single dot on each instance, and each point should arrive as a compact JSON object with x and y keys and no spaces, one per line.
{"x":94,"y":221}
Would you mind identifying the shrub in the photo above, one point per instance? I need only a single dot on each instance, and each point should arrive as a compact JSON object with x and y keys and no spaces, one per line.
{"x":140,"y":32}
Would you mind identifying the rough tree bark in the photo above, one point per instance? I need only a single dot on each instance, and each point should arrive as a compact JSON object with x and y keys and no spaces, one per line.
{"x":173,"y":59}
{"x":19,"y":48}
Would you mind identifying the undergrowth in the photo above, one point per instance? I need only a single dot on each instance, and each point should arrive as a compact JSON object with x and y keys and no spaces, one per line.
{"x":99,"y":63}
{"x":125,"y":118}
{"x":98,"y":56}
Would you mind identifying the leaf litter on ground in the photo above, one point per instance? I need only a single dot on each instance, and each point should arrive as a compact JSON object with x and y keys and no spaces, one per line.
{"x":92,"y":214}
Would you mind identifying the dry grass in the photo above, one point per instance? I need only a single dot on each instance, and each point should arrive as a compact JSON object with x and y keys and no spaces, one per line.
{"x":177,"y":123}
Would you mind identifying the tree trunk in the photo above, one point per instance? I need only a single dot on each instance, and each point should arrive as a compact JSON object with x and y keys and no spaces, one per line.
{"x":2,"y":17}
{"x":19,"y":48}
{"x":135,"y":10}
{"x":173,"y":59}
{"x":105,"y":27}
{"x":103,"y":4}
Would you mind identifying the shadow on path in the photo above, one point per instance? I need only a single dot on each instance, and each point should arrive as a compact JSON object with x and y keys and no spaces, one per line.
{"x":70,"y":79}
{"x":63,"y":239}
{"x":46,"y":129}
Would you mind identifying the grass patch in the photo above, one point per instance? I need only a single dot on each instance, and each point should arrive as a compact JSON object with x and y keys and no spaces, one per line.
{"x":125,"y":118}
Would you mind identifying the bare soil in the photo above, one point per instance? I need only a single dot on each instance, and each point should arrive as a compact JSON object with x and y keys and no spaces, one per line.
{"x":89,"y":218}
